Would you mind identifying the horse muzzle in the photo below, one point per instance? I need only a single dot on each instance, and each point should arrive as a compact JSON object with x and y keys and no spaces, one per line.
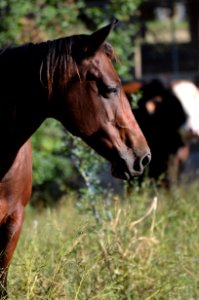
{"x":126,"y":168}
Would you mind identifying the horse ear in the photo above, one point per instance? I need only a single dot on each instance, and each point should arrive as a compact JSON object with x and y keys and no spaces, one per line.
{"x":96,"y":39}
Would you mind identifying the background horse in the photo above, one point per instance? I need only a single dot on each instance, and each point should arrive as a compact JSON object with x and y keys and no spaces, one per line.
{"x":160,"y":115}
{"x":73,"y":80}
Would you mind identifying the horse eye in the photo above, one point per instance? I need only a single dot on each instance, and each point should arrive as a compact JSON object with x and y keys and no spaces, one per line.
{"x":90,"y":77}
{"x":113,"y":90}
{"x":106,"y":91}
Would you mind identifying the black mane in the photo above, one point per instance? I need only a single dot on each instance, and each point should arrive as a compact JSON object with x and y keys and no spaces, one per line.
{"x":49,"y":63}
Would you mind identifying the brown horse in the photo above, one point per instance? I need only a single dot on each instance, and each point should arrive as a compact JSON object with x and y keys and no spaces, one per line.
{"x":71,"y":79}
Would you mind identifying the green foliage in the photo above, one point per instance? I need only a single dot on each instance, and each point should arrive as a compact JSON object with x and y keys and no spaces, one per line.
{"x":122,"y":36}
{"x":85,"y":160}
{"x":121,"y":9}
{"x":48,"y":145}
{"x":52,"y":169}
{"x":148,"y":250}
{"x":24,"y":21}
{"x":89,"y":165}
{"x":11,"y":13}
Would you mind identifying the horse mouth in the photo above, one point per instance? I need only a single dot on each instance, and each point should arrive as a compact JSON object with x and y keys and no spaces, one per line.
{"x":121,"y":171}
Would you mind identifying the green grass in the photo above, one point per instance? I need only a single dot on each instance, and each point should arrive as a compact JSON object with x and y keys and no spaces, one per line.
{"x":137,"y":251}
{"x":166,"y":24}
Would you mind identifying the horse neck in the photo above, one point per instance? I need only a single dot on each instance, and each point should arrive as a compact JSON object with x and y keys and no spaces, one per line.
{"x":24,"y":99}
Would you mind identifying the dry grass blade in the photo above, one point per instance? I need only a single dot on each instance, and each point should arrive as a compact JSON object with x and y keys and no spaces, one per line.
{"x":152,"y":208}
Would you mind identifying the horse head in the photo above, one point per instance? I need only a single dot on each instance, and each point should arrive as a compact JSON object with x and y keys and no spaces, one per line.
{"x":94,"y":106}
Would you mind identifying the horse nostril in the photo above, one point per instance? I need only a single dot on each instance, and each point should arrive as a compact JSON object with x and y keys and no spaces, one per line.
{"x":146,"y":160}
{"x":141,"y":163}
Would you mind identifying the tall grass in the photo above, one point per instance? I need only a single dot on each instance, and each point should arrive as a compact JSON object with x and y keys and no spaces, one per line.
{"x":148,"y":249}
